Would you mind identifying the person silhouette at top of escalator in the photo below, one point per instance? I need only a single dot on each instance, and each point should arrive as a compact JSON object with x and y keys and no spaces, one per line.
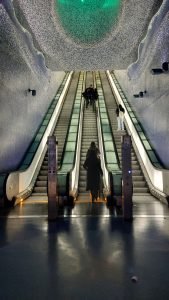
{"x":88,"y":95}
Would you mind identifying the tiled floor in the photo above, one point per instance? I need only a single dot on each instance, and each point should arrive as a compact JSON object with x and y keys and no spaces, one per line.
{"x":88,"y":252}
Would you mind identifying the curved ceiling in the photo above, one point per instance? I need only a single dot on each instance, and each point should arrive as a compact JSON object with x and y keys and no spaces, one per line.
{"x":88,"y":21}
{"x":82,"y":34}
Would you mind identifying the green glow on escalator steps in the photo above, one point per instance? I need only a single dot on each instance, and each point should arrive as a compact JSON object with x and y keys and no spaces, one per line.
{"x":87,"y":21}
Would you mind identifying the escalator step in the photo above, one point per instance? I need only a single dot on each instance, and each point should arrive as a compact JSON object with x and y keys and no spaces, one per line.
{"x":40,"y":189}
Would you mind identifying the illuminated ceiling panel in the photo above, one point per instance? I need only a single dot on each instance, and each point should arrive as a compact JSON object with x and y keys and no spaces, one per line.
{"x":88,"y":21}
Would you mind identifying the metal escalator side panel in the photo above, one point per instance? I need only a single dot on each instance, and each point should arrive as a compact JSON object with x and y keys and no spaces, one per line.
{"x":152,"y":169}
{"x":71,"y":154}
{"x":109,"y":147}
{"x":20,"y":183}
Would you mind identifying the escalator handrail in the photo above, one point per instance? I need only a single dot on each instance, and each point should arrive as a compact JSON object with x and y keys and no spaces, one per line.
{"x":106,"y":175}
{"x":68,"y":170}
{"x":74,"y":174}
{"x":159,"y":177}
{"x":20,"y":183}
{"x":113,"y":175}
{"x":31,"y":151}
{"x":73,"y":184}
{"x":117,"y":167}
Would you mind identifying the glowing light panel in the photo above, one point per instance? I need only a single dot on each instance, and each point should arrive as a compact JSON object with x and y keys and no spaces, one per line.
{"x":87,"y":21}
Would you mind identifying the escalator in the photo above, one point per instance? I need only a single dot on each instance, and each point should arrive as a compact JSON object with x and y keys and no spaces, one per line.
{"x":60,"y":132}
{"x":71,"y":145}
{"x":139,"y":183}
{"x":89,"y":134}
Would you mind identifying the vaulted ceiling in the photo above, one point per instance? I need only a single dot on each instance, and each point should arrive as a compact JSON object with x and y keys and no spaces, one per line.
{"x":75,"y":34}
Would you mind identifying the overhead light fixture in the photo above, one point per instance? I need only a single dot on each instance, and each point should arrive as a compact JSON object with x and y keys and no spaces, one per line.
{"x":33,"y":92}
{"x":140,"y":95}
{"x":165,"y":66}
{"x":157,"y":71}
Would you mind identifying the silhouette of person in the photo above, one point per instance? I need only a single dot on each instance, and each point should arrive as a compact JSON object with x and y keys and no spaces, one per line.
{"x":89,"y":95}
{"x":95,"y":98}
{"x":93,"y":147}
{"x":93,"y":166}
{"x":85,"y":95}
{"x":120,"y":117}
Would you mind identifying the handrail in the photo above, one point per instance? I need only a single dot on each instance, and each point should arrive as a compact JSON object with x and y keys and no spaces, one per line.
{"x":74,"y":175}
{"x":69,"y":123}
{"x":20,"y":183}
{"x":106,"y":179}
{"x":145,"y":141}
{"x":158,"y":176}
{"x":68,"y":170}
{"x":109,"y":152}
{"x":44,"y":124}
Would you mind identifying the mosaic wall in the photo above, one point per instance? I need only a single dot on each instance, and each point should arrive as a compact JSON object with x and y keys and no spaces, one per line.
{"x":154,"y":48}
{"x":153,"y":108}
{"x":22,"y":67}
{"x":85,"y":34}
{"x":39,"y":36}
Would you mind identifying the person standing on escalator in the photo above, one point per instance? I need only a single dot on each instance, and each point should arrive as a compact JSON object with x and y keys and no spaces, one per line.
{"x":95,"y":98}
{"x":120,"y":117}
{"x":92,"y":148}
{"x":92,"y":165}
{"x":85,"y":95}
{"x":88,"y":94}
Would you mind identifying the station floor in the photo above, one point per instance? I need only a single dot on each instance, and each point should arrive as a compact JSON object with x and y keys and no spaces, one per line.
{"x":88,"y":252}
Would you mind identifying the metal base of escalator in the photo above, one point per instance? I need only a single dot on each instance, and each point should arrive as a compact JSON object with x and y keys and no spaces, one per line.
{"x":87,"y":198}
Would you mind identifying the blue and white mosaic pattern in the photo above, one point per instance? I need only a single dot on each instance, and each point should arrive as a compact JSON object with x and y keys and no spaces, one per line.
{"x":114,"y":46}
